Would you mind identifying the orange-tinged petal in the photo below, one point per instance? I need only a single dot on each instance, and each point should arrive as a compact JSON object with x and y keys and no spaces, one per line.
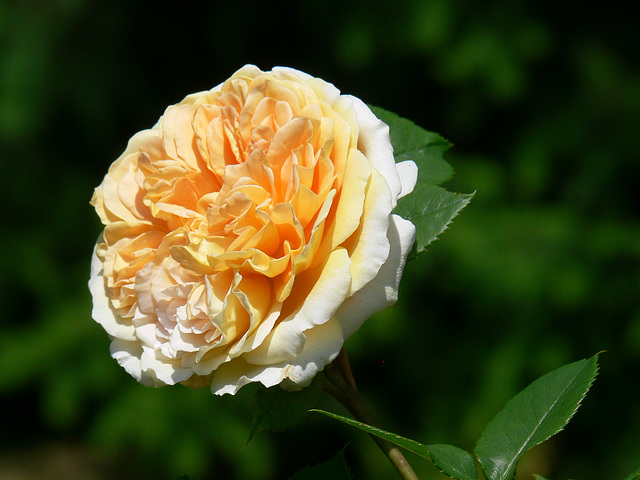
{"x":313,"y":301}
{"x":352,"y":196}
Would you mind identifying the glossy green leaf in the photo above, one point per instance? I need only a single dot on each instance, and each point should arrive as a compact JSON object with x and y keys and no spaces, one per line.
{"x":403,"y":442}
{"x":431,"y":210}
{"x":452,"y":461}
{"x":411,"y":142}
{"x":634,"y":476}
{"x":334,"y":469}
{"x":532,"y":416}
{"x":277,"y":409}
{"x":429,"y":207}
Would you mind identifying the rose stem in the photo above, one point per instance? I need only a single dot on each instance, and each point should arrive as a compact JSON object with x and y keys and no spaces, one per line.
{"x":341,"y":385}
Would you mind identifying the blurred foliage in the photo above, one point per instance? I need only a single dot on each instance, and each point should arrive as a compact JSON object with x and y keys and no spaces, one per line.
{"x":542,"y":102}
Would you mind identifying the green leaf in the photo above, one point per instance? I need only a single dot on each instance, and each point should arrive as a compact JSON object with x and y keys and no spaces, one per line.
{"x":411,"y":142}
{"x":403,"y":442}
{"x":335,"y":469}
{"x":452,"y":461}
{"x":532,"y":416}
{"x":431,"y":210}
{"x":428,"y":207}
{"x":538,"y":477}
{"x":277,"y":409}
{"x":634,"y":476}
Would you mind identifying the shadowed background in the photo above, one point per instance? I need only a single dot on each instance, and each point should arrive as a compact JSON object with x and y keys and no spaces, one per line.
{"x":542,"y":102}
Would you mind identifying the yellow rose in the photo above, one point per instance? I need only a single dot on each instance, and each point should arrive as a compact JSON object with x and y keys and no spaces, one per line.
{"x":249,"y":233}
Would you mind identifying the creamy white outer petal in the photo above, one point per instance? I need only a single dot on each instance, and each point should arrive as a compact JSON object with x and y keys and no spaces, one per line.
{"x":103,"y":312}
{"x":408,"y":173}
{"x":166,"y":372}
{"x":321,"y":347}
{"x":128,"y":354}
{"x":375,"y":143}
{"x":323,"y":344}
{"x":372,"y":249}
{"x":382,"y":291}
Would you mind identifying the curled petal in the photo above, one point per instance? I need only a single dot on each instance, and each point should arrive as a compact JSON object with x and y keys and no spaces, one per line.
{"x":103,"y":311}
{"x":408,"y":173}
{"x":322,"y":297}
{"x":322,"y":345}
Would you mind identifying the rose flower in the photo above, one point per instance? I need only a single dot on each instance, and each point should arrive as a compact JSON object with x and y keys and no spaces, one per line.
{"x":249,"y":233}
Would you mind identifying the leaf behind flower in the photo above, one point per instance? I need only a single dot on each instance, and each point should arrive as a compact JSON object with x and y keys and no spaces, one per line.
{"x":431,"y":209}
{"x":277,"y":409}
{"x":411,"y":142}
{"x":336,"y":469}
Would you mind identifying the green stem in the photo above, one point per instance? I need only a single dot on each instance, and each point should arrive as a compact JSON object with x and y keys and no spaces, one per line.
{"x":341,"y":385}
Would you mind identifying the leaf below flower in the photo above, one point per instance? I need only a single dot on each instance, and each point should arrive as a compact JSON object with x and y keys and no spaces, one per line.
{"x":451,"y":461}
{"x":532,"y":416}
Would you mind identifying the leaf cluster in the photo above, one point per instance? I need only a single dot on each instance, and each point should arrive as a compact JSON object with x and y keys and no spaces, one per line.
{"x":538,"y":412}
{"x":534,"y":415}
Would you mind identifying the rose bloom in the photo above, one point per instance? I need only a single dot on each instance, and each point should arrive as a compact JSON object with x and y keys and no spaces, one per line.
{"x":249,"y":233}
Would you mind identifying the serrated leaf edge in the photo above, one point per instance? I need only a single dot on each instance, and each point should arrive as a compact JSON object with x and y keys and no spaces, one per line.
{"x":467,"y":199}
{"x":523,"y":451}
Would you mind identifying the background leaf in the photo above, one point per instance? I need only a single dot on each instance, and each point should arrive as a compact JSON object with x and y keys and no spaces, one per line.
{"x":335,"y":469}
{"x":634,"y":476}
{"x":452,"y":461}
{"x":532,"y":416}
{"x":430,"y":209}
{"x":277,"y":409}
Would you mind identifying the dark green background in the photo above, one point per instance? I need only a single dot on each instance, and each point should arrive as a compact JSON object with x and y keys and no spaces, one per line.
{"x":542,"y":102}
